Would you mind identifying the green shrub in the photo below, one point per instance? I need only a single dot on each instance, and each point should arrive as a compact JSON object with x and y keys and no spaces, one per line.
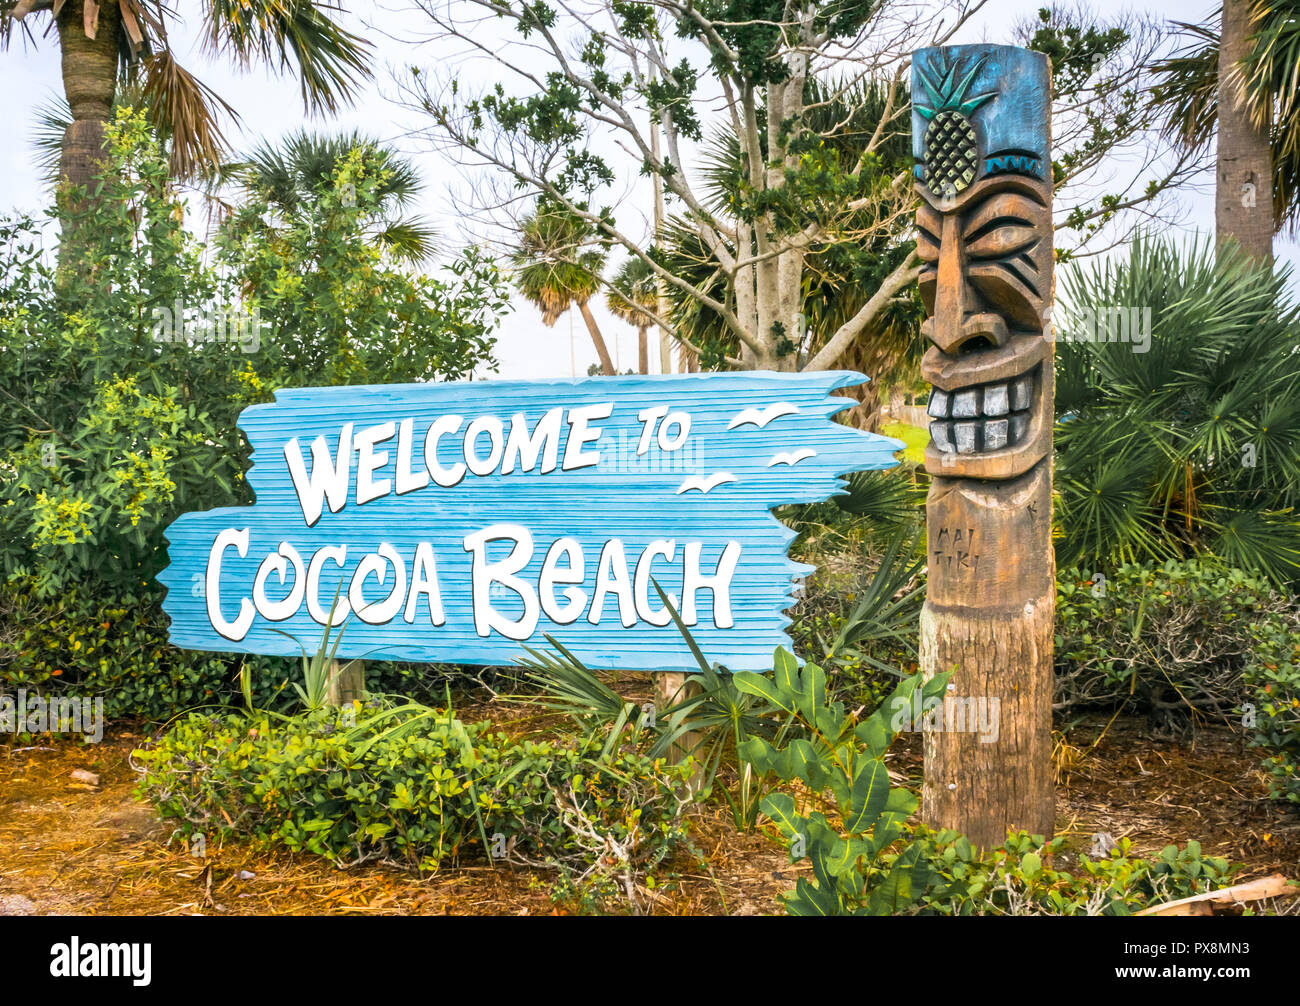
{"x":1017,"y":880}
{"x":851,"y":838}
{"x":417,"y":789}
{"x":1273,"y":711}
{"x":1191,"y":442}
{"x":116,"y":648}
{"x":1161,"y":638}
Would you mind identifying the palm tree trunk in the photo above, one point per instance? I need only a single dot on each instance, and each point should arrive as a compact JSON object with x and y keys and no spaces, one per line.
{"x":1243,"y":198}
{"x":643,"y":350}
{"x":606,"y":364}
{"x":89,"y":82}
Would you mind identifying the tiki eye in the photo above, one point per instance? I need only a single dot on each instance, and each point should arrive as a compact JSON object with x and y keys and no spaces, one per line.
{"x":1002,"y":237}
{"x":1000,"y":207}
{"x":1003,"y":225}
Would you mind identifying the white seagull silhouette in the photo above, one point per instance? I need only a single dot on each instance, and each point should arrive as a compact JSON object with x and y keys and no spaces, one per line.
{"x":761,"y":417}
{"x":792,"y":458}
{"x":705,"y":483}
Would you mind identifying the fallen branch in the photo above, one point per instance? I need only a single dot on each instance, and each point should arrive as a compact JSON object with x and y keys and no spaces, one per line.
{"x":1273,"y":886}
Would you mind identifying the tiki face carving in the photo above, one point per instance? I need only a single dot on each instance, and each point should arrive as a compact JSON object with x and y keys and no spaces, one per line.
{"x":984,"y":236}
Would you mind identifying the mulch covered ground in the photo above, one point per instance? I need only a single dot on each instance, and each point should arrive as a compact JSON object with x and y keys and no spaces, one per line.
{"x":67,"y":847}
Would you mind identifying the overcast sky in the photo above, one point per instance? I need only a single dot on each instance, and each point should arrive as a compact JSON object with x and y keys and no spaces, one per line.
{"x":271,"y":107}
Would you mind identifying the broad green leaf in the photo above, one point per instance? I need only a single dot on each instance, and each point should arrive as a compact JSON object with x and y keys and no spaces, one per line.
{"x":785,"y":670}
{"x":780,"y":808}
{"x":804,"y":764}
{"x":868,"y":797}
{"x":756,"y":684}
{"x":809,"y":900}
{"x":812,"y":694}
{"x":897,"y":890}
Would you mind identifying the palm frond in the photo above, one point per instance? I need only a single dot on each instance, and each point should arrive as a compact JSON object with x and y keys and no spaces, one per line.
{"x":187,"y":113}
{"x":331,"y":61}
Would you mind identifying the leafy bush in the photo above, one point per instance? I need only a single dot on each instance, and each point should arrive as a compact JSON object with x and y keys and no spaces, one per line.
{"x":1184,"y":436}
{"x":1273,"y":716}
{"x":114,"y":423}
{"x":116,"y":648}
{"x":1017,"y":880}
{"x":122,"y":380}
{"x":1161,"y":638}
{"x":417,"y":788}
{"x":857,"y":867}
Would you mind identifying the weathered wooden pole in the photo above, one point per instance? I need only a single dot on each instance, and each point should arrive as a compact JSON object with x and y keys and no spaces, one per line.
{"x":347,"y":682}
{"x":981,"y":140}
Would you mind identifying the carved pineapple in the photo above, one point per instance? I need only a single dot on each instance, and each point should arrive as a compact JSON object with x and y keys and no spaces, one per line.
{"x":951,"y":151}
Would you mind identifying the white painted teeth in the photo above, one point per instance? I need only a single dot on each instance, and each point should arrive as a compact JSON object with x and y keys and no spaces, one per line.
{"x":988,"y":417}
{"x":965,"y":403}
{"x":995,"y":400}
{"x":1019,"y":427}
{"x":941,"y":434}
{"x":1021,"y":388}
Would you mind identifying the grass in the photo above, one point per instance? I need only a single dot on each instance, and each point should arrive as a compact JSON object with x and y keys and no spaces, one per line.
{"x":915,"y":437}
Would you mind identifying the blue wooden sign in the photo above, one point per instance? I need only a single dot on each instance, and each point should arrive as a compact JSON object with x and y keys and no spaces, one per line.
{"x":459,"y":522}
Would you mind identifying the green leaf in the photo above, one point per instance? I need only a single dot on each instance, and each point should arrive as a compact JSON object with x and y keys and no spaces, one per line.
{"x":781,"y":809}
{"x":869,"y":795}
{"x":756,"y":684}
{"x":802,"y":762}
{"x":810,"y":900}
{"x":785,"y":670}
{"x":902,"y":884}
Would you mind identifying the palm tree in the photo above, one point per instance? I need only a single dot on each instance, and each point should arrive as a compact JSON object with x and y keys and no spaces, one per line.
{"x":1237,"y":79}
{"x":556,"y":267}
{"x":1244,"y":169}
{"x":105,"y":44}
{"x":292,"y":174}
{"x":635,"y":298}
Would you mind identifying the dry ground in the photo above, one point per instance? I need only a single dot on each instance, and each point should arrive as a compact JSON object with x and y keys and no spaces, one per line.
{"x":67,"y":848}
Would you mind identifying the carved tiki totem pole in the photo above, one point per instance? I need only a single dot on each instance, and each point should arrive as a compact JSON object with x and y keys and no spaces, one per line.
{"x":980,"y":137}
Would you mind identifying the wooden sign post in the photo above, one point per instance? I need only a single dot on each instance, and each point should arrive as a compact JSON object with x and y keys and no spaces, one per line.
{"x":459,"y":523}
{"x":981,"y":140}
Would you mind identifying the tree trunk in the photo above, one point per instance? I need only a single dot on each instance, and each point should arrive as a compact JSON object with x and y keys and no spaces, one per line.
{"x":1243,"y":198}
{"x":89,"y":82}
{"x":643,"y":350}
{"x":606,"y":364}
{"x":661,"y":285}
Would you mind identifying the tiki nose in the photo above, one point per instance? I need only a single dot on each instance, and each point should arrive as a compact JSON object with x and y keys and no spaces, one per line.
{"x":951,"y":294}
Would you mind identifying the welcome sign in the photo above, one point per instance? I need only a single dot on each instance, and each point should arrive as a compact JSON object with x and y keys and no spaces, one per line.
{"x":459,"y":522}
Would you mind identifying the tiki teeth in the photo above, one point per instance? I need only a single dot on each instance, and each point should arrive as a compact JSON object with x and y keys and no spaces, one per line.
{"x":995,"y":400}
{"x":979,"y":435}
{"x":995,"y":434}
{"x":966,"y":435}
{"x":940,"y":401}
{"x":965,"y":404}
{"x":1020,"y":391}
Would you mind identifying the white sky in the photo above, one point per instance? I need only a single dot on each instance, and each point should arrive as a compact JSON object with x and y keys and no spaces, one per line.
{"x":271,"y":107}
